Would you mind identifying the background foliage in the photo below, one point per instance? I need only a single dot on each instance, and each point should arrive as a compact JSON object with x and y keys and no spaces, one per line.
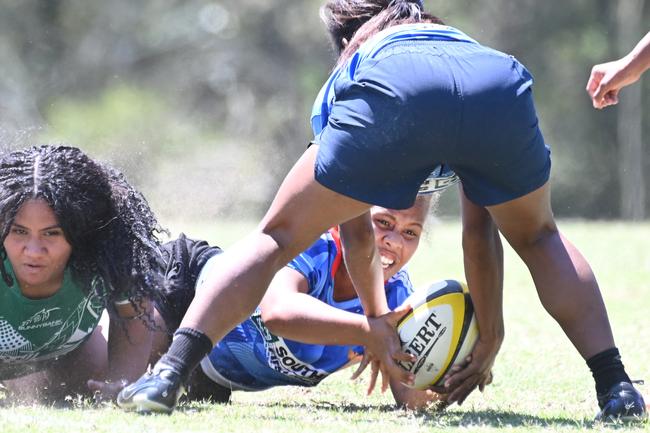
{"x":205,"y":104}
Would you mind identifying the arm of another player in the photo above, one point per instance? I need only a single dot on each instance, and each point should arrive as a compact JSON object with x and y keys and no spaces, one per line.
{"x":129,"y":346}
{"x":288,"y":311}
{"x":363,"y":264}
{"x":607,"y":79}
{"x":364,"y":267}
{"x":483,"y":256}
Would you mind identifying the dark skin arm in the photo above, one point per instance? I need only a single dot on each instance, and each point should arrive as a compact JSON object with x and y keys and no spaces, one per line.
{"x":364,"y":267}
{"x":288,"y":311}
{"x":129,"y":345}
{"x":483,"y":258}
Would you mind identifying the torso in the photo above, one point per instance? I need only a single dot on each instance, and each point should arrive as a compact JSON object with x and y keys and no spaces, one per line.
{"x":40,"y":329}
{"x":252,"y":358}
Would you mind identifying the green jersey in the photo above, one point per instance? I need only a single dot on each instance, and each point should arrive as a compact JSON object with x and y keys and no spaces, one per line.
{"x":39,"y":329}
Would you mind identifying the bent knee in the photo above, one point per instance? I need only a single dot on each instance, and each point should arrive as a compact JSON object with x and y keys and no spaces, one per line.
{"x":533,"y":238}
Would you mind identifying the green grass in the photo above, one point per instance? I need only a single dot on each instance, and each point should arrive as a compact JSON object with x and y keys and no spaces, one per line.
{"x":541,"y":383}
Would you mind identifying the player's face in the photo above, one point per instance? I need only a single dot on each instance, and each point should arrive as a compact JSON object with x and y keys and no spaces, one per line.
{"x":397,"y":233}
{"x":37,"y":249}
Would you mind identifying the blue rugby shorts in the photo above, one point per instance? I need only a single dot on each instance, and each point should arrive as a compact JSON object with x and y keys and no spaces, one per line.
{"x":418,"y":104}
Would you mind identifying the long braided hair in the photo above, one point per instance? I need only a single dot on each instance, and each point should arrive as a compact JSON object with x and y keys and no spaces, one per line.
{"x":352,"y":22}
{"x":112,"y":230}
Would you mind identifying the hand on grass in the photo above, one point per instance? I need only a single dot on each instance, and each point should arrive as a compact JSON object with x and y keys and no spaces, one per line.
{"x":105,"y":389}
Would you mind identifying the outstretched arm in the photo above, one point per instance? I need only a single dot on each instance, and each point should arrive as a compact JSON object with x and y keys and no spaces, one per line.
{"x":288,"y":311}
{"x":607,"y":79}
{"x":483,"y":255}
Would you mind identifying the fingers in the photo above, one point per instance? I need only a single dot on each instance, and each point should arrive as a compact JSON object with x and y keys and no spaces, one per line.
{"x":362,"y":366}
{"x":105,"y":389}
{"x":605,"y":94}
{"x":402,"y":356}
{"x":398,"y":373}
{"x":374,"y":370}
{"x":610,"y":98}
{"x":463,"y":390}
{"x":384,"y":379}
{"x":397,"y":314}
{"x":486,"y":381}
{"x":95,"y":385}
{"x":457,"y":376}
{"x":439,"y":389}
{"x":594,"y":80}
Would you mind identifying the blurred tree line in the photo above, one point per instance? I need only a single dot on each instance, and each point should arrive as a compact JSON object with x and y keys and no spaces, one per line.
{"x":205,"y":104}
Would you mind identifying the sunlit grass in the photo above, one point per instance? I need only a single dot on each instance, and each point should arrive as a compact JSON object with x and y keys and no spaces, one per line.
{"x":541,"y":383}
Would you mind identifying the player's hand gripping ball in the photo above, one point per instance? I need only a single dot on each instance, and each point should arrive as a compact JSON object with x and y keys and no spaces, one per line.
{"x":440,"y":331}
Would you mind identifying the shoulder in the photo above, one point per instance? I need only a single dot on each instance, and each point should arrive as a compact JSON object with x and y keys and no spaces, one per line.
{"x":318,"y":262}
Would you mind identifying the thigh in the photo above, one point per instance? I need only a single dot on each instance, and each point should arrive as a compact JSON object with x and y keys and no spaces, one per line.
{"x":525,"y":219}
{"x":302,"y":210}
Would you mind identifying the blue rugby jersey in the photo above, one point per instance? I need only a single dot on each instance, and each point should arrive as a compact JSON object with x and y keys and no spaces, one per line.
{"x":252,"y":358}
{"x":442,"y":176}
{"x":369,"y":49}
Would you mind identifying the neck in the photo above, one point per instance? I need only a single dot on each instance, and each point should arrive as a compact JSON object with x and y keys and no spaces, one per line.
{"x":40,"y":291}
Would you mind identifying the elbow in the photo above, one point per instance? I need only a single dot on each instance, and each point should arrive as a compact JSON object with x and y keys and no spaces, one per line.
{"x":274,"y":320}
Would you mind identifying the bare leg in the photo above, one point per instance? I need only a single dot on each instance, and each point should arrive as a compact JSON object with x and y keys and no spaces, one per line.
{"x":564,"y":281}
{"x":301,"y":211}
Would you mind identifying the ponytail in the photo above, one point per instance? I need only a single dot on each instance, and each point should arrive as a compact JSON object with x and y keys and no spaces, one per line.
{"x":352,"y":22}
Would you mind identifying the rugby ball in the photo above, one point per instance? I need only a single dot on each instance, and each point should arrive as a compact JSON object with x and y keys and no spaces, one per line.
{"x":440,"y":330}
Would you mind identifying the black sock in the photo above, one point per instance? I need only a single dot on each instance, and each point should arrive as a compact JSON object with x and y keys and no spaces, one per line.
{"x":607,"y":369}
{"x":188,"y":348}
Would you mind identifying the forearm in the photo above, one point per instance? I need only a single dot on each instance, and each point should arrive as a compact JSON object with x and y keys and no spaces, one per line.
{"x":129,"y":346}
{"x":638,"y":60}
{"x":483,"y":259}
{"x":363,"y":264}
{"x":308,"y":320}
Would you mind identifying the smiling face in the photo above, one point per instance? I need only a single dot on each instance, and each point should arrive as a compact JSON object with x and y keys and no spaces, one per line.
{"x":37,"y":249}
{"x":398,"y":232}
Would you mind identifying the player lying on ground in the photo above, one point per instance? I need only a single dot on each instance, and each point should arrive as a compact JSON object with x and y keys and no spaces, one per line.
{"x":310,"y":323}
{"x":76,"y":239}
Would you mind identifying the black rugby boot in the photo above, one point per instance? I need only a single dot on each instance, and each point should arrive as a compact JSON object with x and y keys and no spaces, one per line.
{"x":156,"y":391}
{"x":621,"y":403}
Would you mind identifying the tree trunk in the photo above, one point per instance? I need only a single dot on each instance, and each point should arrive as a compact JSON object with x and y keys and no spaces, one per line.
{"x":630,"y":114}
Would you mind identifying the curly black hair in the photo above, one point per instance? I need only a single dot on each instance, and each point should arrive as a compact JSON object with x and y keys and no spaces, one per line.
{"x":112,"y":230}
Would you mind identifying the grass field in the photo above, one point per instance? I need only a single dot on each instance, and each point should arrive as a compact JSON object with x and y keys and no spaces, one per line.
{"x":541,"y":383}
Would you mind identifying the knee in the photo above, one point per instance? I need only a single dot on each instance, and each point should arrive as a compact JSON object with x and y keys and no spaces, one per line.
{"x":280,"y":243}
{"x":531,"y":238}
